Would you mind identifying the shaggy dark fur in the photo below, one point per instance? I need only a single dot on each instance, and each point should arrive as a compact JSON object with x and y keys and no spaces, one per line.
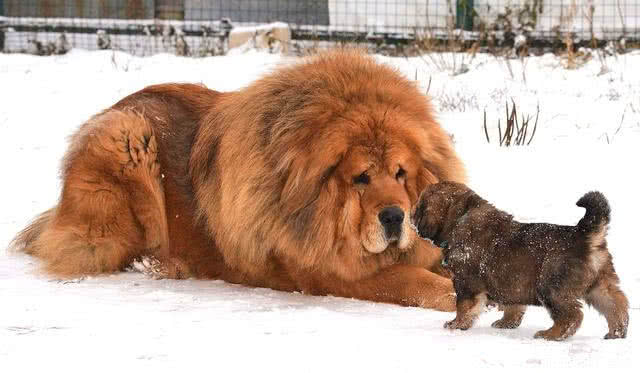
{"x":496,"y":258}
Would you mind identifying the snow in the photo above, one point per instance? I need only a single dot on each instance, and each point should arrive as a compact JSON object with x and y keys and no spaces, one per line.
{"x":127,"y":321}
{"x":259,"y":28}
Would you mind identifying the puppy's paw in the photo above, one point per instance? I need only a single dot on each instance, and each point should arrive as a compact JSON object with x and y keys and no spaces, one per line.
{"x":505,"y":324}
{"x":550,"y":335}
{"x":617,"y":333}
{"x":457,"y":324}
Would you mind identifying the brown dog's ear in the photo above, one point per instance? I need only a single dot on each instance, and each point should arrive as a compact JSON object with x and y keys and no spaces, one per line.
{"x":427,"y":177}
{"x":424,"y":178}
{"x":302,"y":183}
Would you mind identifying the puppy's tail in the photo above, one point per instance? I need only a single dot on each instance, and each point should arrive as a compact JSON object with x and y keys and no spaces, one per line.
{"x":597,"y":217}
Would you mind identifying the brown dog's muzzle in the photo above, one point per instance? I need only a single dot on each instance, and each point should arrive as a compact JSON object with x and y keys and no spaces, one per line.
{"x":392,"y":219}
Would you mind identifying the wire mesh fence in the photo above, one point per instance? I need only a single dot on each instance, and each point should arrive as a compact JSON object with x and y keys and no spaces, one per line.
{"x":210,"y":27}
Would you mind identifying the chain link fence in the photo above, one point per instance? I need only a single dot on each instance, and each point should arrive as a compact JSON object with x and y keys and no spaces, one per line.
{"x":211,"y":27}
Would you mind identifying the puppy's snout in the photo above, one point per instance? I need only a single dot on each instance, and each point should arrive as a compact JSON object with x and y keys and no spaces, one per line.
{"x":391,"y":219}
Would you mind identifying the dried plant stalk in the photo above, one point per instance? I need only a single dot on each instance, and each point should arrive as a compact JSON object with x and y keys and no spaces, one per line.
{"x":516,"y":132}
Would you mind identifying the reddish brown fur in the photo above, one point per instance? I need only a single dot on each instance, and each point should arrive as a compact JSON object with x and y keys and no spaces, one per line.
{"x":112,"y":207}
{"x":257,"y":186}
{"x":495,"y":258}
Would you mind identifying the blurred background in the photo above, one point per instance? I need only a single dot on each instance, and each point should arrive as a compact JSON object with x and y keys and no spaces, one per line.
{"x":212,"y":27}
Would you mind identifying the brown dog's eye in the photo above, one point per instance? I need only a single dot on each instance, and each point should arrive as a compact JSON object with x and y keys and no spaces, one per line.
{"x":401,"y":173}
{"x":363,"y":178}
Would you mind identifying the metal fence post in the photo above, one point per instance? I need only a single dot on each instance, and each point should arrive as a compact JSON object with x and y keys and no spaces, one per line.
{"x":464,"y":14}
{"x":1,"y":26}
{"x":169,"y":9}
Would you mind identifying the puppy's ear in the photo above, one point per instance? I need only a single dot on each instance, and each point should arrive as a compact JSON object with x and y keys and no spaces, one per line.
{"x":472,"y":201}
{"x":419,"y":214}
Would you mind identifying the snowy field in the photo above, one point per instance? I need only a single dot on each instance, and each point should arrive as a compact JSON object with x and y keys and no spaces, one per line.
{"x":588,"y":137}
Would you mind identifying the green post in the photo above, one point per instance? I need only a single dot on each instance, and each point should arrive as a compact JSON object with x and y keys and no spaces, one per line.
{"x":464,"y":14}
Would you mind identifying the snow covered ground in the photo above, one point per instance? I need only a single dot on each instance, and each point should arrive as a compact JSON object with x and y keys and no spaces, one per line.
{"x":588,"y":138}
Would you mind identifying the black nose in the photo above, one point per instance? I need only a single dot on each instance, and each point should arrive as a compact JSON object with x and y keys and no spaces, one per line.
{"x":391,"y":219}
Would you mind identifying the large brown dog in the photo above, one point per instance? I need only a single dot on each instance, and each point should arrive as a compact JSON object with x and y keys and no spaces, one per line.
{"x":303,"y":181}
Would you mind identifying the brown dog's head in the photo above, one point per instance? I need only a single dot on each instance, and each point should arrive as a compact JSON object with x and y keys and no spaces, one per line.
{"x":337,"y":150}
{"x":358,"y":178}
{"x":359,"y":144}
{"x":381,"y":181}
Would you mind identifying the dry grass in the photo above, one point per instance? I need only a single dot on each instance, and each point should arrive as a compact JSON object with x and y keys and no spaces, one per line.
{"x":516,"y":132}
{"x":452,"y":53}
{"x":457,"y":102}
{"x":610,"y":139}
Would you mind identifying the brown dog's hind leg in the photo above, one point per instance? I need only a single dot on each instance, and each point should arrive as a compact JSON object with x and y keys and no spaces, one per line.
{"x":511,"y":318}
{"x":111,"y":209}
{"x":610,"y":301}
{"x":145,"y":188}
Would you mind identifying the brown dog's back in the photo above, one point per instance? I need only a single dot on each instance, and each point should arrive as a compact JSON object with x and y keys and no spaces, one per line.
{"x":115,"y":201}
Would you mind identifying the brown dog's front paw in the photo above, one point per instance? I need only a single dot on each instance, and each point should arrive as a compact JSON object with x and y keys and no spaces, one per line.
{"x":442,"y":271}
{"x":149,"y":266}
{"x":446,"y":303}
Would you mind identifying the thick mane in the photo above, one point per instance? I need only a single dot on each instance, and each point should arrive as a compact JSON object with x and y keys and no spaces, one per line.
{"x":297,"y":125}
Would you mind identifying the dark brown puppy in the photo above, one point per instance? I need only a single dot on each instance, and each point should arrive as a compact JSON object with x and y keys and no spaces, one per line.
{"x":494,"y":257}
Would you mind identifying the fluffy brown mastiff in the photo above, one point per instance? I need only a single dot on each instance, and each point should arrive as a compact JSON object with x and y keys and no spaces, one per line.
{"x":302,"y":181}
